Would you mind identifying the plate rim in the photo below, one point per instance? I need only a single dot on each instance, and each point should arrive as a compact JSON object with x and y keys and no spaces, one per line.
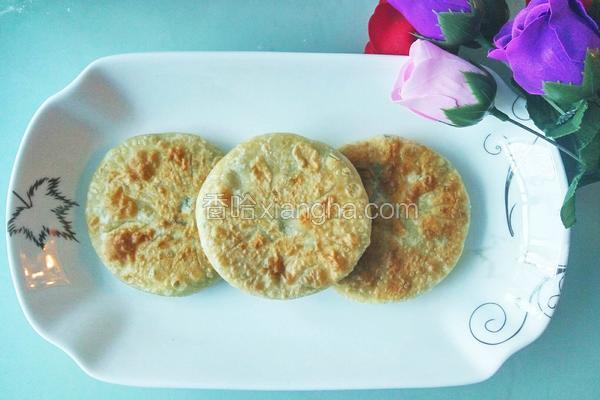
{"x":74,"y":83}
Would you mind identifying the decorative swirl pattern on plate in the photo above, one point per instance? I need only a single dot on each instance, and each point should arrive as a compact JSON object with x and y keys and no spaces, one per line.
{"x":493,"y":330}
{"x":494,"y":324}
{"x":548,"y":304}
{"x":514,"y":111}
{"x":508,"y":210}
{"x":497,"y":148}
{"x":488,"y":322}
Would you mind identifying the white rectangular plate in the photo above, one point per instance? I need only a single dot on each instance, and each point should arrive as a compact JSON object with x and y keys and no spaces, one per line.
{"x":497,"y":300}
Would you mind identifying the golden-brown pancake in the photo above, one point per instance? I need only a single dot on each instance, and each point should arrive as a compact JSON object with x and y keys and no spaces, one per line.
{"x":141,"y":212}
{"x":283,"y":254}
{"x":421,"y":243}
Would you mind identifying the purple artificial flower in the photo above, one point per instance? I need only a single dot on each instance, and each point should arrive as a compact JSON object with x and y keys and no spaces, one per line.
{"x":422,"y":14}
{"x":547,"y":41}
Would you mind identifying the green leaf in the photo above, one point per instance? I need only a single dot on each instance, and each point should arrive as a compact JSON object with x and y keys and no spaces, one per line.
{"x":590,"y":154}
{"x":483,"y":87}
{"x":543,"y":114}
{"x":494,"y":15}
{"x":590,"y":126}
{"x":460,"y":27}
{"x":581,"y":122}
{"x":569,"y":122}
{"x":567,"y":211}
{"x":582,"y":119}
{"x":566,"y":95}
{"x":591,"y":73}
{"x":590,"y":178}
{"x":588,"y":173}
{"x":465,"y":115}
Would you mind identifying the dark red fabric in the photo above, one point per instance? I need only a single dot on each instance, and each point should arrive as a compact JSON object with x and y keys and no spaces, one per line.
{"x":369,"y":49}
{"x":389,"y":31}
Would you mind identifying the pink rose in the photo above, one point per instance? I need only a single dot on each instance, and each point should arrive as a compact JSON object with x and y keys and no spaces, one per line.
{"x":441,"y":86}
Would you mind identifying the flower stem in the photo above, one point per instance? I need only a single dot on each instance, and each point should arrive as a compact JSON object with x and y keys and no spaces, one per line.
{"x":504,"y":117}
{"x":554,"y":105}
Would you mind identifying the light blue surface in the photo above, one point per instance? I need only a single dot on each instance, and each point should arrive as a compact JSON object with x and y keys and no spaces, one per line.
{"x":44,"y":45}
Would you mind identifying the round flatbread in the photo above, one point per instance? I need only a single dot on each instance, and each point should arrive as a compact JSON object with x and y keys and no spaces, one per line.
{"x":420,"y":219}
{"x":141,"y":212}
{"x":276,"y":218}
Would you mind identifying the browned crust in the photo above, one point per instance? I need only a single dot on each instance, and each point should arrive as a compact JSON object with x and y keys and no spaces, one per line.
{"x":141,"y":212}
{"x":284,"y":258}
{"x":414,"y":252}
